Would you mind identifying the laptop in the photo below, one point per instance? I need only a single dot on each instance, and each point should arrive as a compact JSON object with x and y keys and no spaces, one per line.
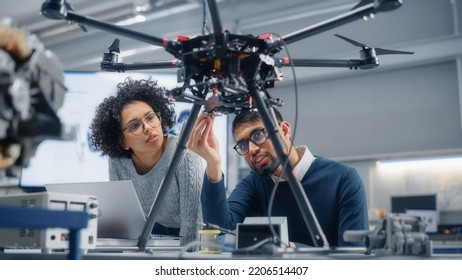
{"x":120,"y":216}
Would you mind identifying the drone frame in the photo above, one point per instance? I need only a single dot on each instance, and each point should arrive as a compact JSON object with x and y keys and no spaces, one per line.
{"x":237,"y":69}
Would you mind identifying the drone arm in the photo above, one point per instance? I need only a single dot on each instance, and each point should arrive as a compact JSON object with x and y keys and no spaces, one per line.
{"x":217,"y":27}
{"x":364,"y":10}
{"x":122,"y":67}
{"x":345,"y":63}
{"x":59,"y":10}
{"x":162,"y":42}
{"x":267,"y":115}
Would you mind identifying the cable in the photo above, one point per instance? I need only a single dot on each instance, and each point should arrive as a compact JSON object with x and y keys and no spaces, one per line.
{"x":213,"y":226}
{"x":258,"y":245}
{"x":276,"y":184}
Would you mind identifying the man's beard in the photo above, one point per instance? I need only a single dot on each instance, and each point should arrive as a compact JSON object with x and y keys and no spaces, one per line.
{"x":268,"y":169}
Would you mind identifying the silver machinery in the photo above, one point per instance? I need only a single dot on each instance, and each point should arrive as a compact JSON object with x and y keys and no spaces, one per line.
{"x":50,"y":239}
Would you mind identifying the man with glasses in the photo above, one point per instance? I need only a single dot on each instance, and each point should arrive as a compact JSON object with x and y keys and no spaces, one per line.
{"x":131,"y":127}
{"x":335,"y":191}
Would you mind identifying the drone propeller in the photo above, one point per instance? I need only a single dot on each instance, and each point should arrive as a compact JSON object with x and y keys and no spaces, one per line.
{"x":362,"y":3}
{"x":115,"y":46}
{"x":385,"y":5}
{"x":378,"y":51}
{"x":111,"y":57}
{"x":70,"y":8}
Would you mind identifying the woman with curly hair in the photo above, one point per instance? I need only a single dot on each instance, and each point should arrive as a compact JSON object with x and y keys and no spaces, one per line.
{"x":131,"y":129}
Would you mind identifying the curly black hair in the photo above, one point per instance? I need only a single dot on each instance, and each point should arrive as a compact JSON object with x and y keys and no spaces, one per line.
{"x":106,"y":131}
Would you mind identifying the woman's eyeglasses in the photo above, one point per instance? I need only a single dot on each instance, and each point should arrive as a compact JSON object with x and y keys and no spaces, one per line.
{"x":136,"y":127}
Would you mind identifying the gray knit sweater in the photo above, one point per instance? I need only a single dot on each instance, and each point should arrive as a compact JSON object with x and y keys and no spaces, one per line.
{"x":181,"y":207}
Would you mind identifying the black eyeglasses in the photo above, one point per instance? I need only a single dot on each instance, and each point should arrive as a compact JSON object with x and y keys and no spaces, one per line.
{"x":136,"y":127}
{"x":258,"y":137}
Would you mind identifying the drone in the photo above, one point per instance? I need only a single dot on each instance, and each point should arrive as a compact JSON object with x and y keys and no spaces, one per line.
{"x":226,"y":73}
{"x":224,"y":63}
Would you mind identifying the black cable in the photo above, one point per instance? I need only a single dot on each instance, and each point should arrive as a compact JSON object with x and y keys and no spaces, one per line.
{"x":253,"y":247}
{"x":276,"y":184}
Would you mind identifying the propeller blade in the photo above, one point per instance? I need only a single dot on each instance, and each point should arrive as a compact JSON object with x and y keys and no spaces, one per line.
{"x":381,"y":6}
{"x":114,"y":47}
{"x":362,"y":3}
{"x":358,"y":44}
{"x":70,"y":8}
{"x":379,"y":51}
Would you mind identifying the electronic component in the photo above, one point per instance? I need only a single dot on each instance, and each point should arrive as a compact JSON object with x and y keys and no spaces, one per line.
{"x":50,"y":239}
{"x":257,"y":229}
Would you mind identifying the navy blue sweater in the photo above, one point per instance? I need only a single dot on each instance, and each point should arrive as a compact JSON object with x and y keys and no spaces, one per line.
{"x":335,"y":192}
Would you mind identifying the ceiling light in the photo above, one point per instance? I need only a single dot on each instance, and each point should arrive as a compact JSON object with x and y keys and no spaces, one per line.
{"x":446,"y":162}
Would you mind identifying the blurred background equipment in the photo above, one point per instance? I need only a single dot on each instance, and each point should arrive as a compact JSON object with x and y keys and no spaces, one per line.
{"x":396,"y":234}
{"x":31,"y":91}
{"x":52,"y":231}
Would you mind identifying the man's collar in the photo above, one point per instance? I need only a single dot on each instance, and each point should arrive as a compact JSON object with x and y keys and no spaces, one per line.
{"x":306,"y":159}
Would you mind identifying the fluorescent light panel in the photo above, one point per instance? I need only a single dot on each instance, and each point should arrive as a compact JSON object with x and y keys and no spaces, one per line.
{"x":441,"y":162}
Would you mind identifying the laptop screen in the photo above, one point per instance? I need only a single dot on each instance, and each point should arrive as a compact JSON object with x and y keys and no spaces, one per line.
{"x":120,"y":213}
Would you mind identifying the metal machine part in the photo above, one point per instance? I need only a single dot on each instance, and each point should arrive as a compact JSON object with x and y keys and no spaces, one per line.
{"x":31,"y":92}
{"x":395,"y":234}
{"x":50,"y":239}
